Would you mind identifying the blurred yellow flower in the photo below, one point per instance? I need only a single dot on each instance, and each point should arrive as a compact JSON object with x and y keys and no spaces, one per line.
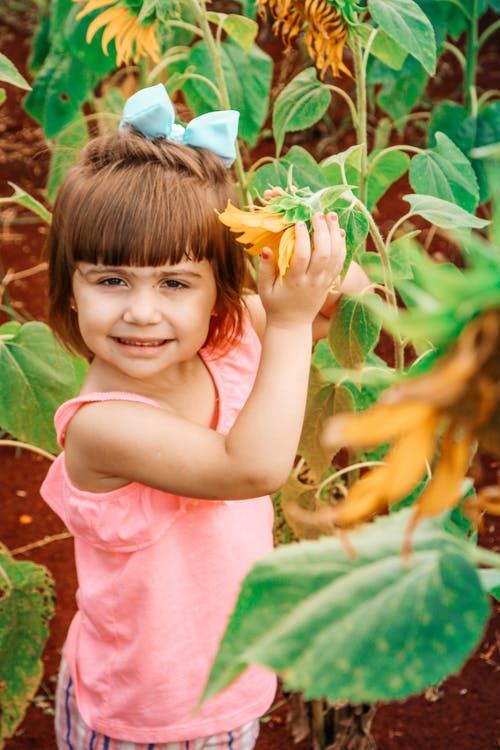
{"x":260,"y":228}
{"x":325,"y":25}
{"x":459,"y":398}
{"x":133,"y":39}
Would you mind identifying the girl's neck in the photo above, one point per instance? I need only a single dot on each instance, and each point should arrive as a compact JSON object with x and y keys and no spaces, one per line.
{"x":187,"y":389}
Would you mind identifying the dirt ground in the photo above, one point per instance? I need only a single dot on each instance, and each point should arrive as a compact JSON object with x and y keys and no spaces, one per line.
{"x":461,"y":714}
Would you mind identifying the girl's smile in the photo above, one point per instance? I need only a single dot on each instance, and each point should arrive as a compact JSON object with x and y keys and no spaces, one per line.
{"x":142,"y":320}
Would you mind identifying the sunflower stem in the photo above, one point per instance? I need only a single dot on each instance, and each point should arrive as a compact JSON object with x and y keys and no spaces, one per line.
{"x":390,"y":290}
{"x":471,"y":61}
{"x":361,"y":117}
{"x":214,"y":51}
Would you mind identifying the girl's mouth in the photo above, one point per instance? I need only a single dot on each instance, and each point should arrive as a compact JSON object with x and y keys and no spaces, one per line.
{"x":140,"y":342}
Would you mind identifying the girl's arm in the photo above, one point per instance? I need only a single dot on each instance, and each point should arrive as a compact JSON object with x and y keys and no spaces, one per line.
{"x":122,"y":442}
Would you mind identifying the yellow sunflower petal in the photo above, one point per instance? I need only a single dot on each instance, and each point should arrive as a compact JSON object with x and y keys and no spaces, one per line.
{"x":107,"y":16}
{"x":148,"y":43}
{"x":404,"y":465}
{"x":286,"y":250}
{"x":114,"y":30}
{"x":91,"y":6}
{"x":238,"y":220}
{"x":444,"y":490}
{"x":379,"y":424}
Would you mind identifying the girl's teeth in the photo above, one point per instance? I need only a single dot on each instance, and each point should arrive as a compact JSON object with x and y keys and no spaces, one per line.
{"x":130,"y":342}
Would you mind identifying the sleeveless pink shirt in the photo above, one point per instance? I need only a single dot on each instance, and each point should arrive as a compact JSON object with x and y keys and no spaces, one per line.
{"x":158,"y":577}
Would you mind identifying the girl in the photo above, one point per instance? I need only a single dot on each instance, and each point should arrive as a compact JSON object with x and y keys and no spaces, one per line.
{"x":182,"y":418}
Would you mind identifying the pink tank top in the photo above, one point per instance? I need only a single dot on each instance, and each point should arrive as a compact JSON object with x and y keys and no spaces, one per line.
{"x":158,"y":576}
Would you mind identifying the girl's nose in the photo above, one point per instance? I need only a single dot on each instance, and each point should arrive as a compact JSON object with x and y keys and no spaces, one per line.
{"x":142,"y":308}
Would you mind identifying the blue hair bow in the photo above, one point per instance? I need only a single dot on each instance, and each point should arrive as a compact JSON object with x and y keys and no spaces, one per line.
{"x":151,"y":112}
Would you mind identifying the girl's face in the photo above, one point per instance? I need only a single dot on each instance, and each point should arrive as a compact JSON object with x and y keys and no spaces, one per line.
{"x":142,"y":320}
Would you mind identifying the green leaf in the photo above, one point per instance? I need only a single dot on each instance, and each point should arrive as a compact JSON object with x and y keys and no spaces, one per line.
{"x":374,"y":626}
{"x":90,"y":54}
{"x":26,"y":606}
{"x":399,"y":260}
{"x":388,"y":168}
{"x":10,"y":74}
{"x":490,"y":578}
{"x":353,"y":332}
{"x":400,"y":90}
{"x":65,"y":151}
{"x":248,"y":80}
{"x":350,"y":156}
{"x":445,"y":172}
{"x":36,"y":376}
{"x":443,"y":213}
{"x":22,"y":198}
{"x":407,"y":24}
{"x":383,"y":47}
{"x":241,"y":29}
{"x":306,"y":172}
{"x":323,"y":400}
{"x":355,"y":224}
{"x":299,"y":105}
{"x":59,"y":91}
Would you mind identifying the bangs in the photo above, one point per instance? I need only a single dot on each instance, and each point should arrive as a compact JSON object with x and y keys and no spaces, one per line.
{"x":134,"y":202}
{"x":145,"y":220}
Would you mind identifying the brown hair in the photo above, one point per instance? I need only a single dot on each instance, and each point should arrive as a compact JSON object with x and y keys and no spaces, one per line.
{"x":139,"y":202}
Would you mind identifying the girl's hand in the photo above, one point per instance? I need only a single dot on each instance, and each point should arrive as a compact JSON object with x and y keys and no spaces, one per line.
{"x":297,"y":298}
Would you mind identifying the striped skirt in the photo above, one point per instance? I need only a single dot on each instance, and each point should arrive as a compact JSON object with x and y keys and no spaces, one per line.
{"x":73,"y":734}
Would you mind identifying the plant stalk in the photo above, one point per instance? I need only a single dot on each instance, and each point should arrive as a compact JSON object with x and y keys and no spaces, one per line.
{"x":360,"y":122}
{"x":390,"y":290}
{"x":200,"y":11}
{"x":471,"y":62}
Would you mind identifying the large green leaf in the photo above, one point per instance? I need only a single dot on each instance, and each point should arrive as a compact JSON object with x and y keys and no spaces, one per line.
{"x":64,"y":152}
{"x":305,"y":172}
{"x":468,"y":132}
{"x":445,"y":172}
{"x":401,"y":89}
{"x":406,"y":23}
{"x":59,"y":91}
{"x":383,"y":47}
{"x":248,"y":80}
{"x":388,"y":168}
{"x":443,"y":213}
{"x":10,"y":74}
{"x":241,"y":29}
{"x":363,"y":628}
{"x":90,"y":54}
{"x":36,"y":376}
{"x":353,"y":332}
{"x":323,"y":400}
{"x":26,"y":606}
{"x":299,"y":105}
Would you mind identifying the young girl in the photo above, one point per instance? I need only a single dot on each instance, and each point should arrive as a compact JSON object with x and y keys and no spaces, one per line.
{"x":184,"y":415}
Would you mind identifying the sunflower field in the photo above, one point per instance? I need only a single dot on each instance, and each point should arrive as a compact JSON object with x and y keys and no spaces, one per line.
{"x":377,"y":588}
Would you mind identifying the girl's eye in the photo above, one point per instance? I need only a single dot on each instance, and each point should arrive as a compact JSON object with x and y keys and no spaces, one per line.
{"x":111,"y":281}
{"x":173,"y":284}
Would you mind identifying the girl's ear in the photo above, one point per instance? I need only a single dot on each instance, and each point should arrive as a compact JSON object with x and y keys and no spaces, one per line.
{"x":72,"y":304}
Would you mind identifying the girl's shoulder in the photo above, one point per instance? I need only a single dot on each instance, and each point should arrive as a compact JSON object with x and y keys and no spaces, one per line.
{"x":68,"y":409}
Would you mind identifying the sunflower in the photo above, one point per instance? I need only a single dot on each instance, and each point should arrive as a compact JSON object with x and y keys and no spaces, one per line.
{"x":259,"y":229}
{"x":133,"y":38}
{"x":459,"y":398}
{"x":326,"y":28}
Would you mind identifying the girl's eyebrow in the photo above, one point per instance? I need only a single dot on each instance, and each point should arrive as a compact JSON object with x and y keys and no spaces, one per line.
{"x":128,"y":270}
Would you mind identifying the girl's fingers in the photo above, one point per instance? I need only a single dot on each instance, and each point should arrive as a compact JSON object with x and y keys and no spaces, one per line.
{"x":322,"y":240}
{"x":337,"y":236}
{"x":302,"y":251}
{"x":267,"y":272}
